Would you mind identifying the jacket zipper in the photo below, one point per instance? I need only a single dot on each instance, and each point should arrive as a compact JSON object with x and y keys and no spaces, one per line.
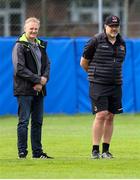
{"x":114,"y":69}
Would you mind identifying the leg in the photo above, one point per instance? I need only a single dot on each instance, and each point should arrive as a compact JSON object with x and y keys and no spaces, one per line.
{"x":107,"y":135}
{"x":97,"y":133}
{"x":36,"y":125}
{"x":99,"y":106}
{"x":108,"y":128}
{"x":114,"y":107}
{"x":98,"y":127}
{"x":24,"y":106}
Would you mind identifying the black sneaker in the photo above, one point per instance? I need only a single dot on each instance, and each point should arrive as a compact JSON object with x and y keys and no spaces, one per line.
{"x":95,"y":154}
{"x":42,"y":156}
{"x":107,"y":155}
{"x":22,"y":155}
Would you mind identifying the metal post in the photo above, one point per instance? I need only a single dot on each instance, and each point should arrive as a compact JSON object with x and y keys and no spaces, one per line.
{"x":44,"y":17}
{"x":125,"y":18}
{"x":100,"y":15}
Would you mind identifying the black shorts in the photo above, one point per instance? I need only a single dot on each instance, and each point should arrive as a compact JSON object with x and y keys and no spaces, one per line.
{"x":102,"y":101}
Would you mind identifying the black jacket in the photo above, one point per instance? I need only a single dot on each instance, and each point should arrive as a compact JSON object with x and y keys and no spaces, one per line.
{"x":26,"y":69}
{"x":105,"y":59}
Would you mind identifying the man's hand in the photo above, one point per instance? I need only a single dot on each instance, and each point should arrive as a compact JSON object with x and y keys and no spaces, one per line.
{"x":38,"y":87}
{"x":43,"y":80}
{"x":84,"y":63}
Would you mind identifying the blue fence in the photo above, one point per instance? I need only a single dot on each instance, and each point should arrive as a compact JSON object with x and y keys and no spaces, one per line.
{"x":68,"y":85}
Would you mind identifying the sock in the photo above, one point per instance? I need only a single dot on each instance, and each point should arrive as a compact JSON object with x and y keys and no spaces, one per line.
{"x":95,"y":147}
{"x":105,"y":147}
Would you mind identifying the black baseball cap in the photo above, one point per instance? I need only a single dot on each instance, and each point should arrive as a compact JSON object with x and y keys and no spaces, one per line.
{"x":112,"y":20}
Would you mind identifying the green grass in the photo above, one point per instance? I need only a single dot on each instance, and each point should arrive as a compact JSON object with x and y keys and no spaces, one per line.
{"x":68,"y":139}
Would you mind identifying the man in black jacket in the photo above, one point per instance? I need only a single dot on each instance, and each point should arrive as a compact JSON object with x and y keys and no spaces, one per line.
{"x":31,"y":73}
{"x":102,"y":58}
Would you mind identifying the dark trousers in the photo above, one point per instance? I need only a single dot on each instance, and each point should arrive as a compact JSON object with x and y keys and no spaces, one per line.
{"x":30,"y":106}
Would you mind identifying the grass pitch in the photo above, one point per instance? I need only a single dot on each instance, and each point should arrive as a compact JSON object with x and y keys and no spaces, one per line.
{"x":68,"y":140}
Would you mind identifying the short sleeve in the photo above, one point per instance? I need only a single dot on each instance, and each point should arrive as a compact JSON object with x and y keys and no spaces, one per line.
{"x":89,"y":49}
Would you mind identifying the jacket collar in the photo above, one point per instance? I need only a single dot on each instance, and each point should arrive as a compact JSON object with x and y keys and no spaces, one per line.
{"x":24,"y":38}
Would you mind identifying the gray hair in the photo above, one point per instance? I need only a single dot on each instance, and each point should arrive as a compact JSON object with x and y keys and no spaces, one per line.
{"x":32,"y":19}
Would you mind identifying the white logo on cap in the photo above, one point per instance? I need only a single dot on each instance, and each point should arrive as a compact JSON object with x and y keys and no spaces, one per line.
{"x":114,"y":19}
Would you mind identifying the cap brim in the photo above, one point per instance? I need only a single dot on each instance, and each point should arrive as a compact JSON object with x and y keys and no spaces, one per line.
{"x":113,"y":24}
